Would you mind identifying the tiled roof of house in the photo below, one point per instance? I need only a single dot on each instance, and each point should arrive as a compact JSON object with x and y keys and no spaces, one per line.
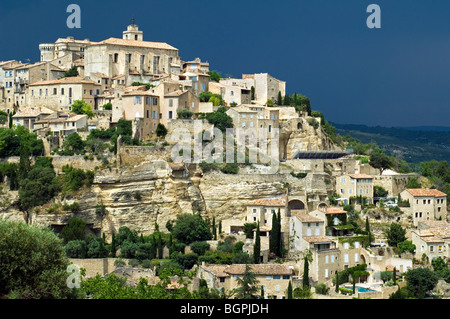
{"x":335,"y":210}
{"x":176,"y":93}
{"x":33,"y":112}
{"x":72,"y":118}
{"x":260,"y":269}
{"x":68,"y":80}
{"x":217,"y":270}
{"x":305,"y":218}
{"x":423,"y":192}
{"x":317,"y":239}
{"x":360,"y":176}
{"x":273,"y":202}
{"x":137,"y":43}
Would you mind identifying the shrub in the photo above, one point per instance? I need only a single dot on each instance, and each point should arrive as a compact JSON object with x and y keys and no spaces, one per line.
{"x":128,"y":249}
{"x":33,"y":262}
{"x":230,"y":168}
{"x":75,"y":249}
{"x":200,"y":247}
{"x":96,"y":248}
{"x":133,"y":263}
{"x":74,"y":230}
{"x":322,"y":289}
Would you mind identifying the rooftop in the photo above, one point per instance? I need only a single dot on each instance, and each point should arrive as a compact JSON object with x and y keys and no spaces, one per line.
{"x":137,"y":43}
{"x":335,"y":210}
{"x":423,"y":192}
{"x":360,"y":176}
{"x":277,"y":202}
{"x":33,"y":112}
{"x":68,"y":80}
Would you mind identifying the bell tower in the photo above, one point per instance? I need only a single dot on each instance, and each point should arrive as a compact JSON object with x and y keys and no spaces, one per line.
{"x":133,"y":33}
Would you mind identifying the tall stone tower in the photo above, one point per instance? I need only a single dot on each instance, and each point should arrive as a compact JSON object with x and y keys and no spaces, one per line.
{"x":133,"y":32}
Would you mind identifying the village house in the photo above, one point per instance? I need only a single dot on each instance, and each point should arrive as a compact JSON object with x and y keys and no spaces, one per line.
{"x":61,"y":124}
{"x":59,"y":95}
{"x":254,"y":116}
{"x":425,"y":204}
{"x":231,"y":95}
{"x":177,"y":101}
{"x":432,"y":239}
{"x":132,"y":57}
{"x":141,"y":107}
{"x":27,"y":116}
{"x":351,"y":187}
{"x":274,"y":278}
{"x":196,"y":66}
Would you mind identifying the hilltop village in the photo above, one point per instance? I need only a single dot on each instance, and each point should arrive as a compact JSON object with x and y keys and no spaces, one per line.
{"x":108,"y":111}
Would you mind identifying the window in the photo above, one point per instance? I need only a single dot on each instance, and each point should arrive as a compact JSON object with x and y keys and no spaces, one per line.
{"x":326,"y":273}
{"x":268,"y":277}
{"x":346,"y":258}
{"x":55,"y":91}
{"x":346,"y":245}
{"x":308,"y":232}
{"x":148,"y":100}
{"x":327,"y":259}
{"x":317,"y":232}
{"x":170,"y":102}
{"x":356,"y":258}
{"x":203,"y":87}
{"x":137,"y":100}
{"x":116,"y":57}
{"x":332,"y":258}
{"x":286,"y":277}
{"x":356,"y":244}
{"x":254,"y":210}
{"x":148,"y":114}
{"x":276,"y":277}
{"x":155,"y":101}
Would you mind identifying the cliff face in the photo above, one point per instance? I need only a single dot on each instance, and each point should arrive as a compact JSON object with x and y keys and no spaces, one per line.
{"x":145,"y":189}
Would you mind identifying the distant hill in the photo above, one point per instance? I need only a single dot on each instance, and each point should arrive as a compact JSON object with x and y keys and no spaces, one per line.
{"x":427,"y":128}
{"x":414,"y":145}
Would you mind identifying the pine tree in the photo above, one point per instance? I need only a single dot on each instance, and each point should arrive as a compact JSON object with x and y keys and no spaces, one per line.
{"x":257,"y":247}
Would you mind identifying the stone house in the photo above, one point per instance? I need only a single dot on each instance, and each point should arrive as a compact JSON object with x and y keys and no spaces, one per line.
{"x":231,"y":94}
{"x":141,"y":107}
{"x":274,"y":278}
{"x":425,"y":204}
{"x":266,"y":87}
{"x":27,"y":116}
{"x":196,"y":66}
{"x":131,"y":56}
{"x":177,"y":101}
{"x":61,"y":123}
{"x":59,"y":95}
{"x":350,"y":186}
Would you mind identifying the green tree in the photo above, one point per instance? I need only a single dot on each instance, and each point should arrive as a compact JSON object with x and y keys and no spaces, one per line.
{"x":419,"y":281}
{"x":257,"y":246}
{"x":380,"y":160}
{"x":33,"y":263}
{"x":75,"y":249}
{"x":306,"y":261}
{"x":280,"y":99}
{"x":247,"y":285}
{"x":379,"y":191}
{"x":73,"y":144}
{"x":72,"y":72}
{"x":252,"y":93}
{"x":81,"y":107}
{"x":214,"y":76}
{"x":413,"y":182}
{"x":220,"y":119}
{"x":290,"y":293}
{"x":406,"y":246}
{"x":189,"y":228}
{"x":161,"y":130}
{"x":74,"y":230}
{"x":395,"y":234}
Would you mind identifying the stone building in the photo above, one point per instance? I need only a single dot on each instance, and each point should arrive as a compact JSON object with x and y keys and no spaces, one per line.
{"x":61,"y":124}
{"x":425,"y":204}
{"x":266,"y":87}
{"x":59,"y":95}
{"x":274,"y":278}
{"x":27,"y":116}
{"x":132,"y":57}
{"x":141,"y":107}
{"x":231,"y":95}
{"x":432,"y":238}
{"x":355,"y":186}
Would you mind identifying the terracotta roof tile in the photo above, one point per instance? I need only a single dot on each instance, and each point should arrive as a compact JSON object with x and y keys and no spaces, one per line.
{"x":335,"y":210}
{"x":360,"y":176}
{"x":137,"y":43}
{"x":276,"y":202}
{"x":68,"y":80}
{"x":305,"y":218}
{"x":423,"y":192}
{"x":260,"y":269}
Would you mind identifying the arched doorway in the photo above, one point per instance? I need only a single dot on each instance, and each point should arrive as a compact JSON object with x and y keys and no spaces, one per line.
{"x":322,"y":207}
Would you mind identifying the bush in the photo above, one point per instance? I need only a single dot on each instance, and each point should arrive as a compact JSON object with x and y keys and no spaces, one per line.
{"x":322,"y":289}
{"x":230,"y":168}
{"x":128,"y":249}
{"x":75,"y":249}
{"x":200,"y":247}
{"x":96,"y":248}
{"x":33,"y":262}
{"x":74,"y":230}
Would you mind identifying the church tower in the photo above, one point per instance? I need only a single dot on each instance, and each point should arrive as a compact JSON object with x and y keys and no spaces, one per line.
{"x":133,"y":32}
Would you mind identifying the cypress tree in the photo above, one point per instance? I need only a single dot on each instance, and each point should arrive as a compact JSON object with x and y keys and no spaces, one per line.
{"x":160,"y":247}
{"x":287,"y":100}
{"x":113,"y":245}
{"x":280,"y":99}
{"x":257,"y":247}
{"x":289,"y":291}
{"x":279,"y":233}
{"x":273,"y":240}
{"x":306,"y":273}
{"x":214,"y":228}
{"x":394,"y":275}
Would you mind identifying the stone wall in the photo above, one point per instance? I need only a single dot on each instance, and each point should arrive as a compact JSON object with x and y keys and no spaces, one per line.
{"x":95,"y":266}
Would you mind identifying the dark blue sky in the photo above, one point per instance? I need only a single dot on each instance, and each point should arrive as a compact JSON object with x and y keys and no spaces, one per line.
{"x":398,"y":75}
